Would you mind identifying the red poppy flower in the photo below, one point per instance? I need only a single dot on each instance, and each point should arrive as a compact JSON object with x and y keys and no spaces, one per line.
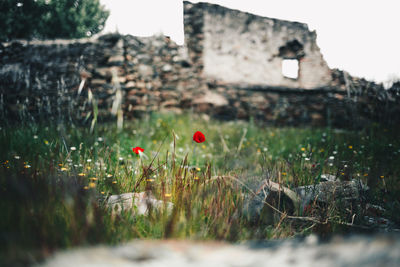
{"x":137,"y":149}
{"x":199,"y":137}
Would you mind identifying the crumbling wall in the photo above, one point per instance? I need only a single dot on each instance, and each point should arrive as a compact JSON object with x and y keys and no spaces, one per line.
{"x":238,"y":47}
{"x":52,"y":79}
{"x":43,"y":78}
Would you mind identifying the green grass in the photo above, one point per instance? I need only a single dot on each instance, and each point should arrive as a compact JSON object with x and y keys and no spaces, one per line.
{"x":49,"y":192}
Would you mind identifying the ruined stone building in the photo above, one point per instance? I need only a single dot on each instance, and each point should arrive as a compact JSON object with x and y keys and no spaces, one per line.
{"x":238,"y":47}
{"x":231,"y":66}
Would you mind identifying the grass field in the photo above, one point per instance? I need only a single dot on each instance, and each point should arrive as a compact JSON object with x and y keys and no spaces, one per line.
{"x":51,"y":178}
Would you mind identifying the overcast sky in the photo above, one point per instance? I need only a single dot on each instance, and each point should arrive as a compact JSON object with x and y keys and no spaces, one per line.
{"x":360,"y":36}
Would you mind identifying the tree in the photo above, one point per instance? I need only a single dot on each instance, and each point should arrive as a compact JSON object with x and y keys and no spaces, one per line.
{"x":20,"y":19}
{"x":50,"y":18}
{"x":74,"y":18}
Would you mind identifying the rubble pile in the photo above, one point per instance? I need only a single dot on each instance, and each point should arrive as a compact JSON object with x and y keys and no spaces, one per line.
{"x":272,"y":200}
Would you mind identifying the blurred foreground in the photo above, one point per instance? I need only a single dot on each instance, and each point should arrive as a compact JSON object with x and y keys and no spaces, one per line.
{"x":354,"y":251}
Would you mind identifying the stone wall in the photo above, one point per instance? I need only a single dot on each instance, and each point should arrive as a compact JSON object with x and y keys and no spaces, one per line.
{"x":65,"y":80}
{"x":43,"y":78}
{"x":239,"y":47}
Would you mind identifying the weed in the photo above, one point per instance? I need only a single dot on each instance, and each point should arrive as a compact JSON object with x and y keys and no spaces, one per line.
{"x":52,"y":177}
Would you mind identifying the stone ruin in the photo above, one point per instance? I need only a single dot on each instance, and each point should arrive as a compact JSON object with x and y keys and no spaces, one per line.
{"x":230,"y":67}
{"x":242,"y":48}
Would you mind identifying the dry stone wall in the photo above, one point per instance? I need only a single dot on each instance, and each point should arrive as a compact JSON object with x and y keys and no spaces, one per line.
{"x":63,"y":80}
{"x":43,"y":79}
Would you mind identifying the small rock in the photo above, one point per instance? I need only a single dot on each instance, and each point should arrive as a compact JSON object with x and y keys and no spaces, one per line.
{"x":291,"y":201}
{"x":345,"y":191}
{"x":167,"y":68}
{"x":328,"y":177}
{"x":145,"y":70}
{"x":215,"y":99}
{"x":103,"y":72}
{"x":170,"y":103}
{"x":256,"y":208}
{"x":381,"y":224}
{"x":130,"y":84}
{"x":122,"y":79}
{"x":116,"y":59}
{"x":131,"y":77}
{"x":97,"y":82}
{"x":137,"y":203}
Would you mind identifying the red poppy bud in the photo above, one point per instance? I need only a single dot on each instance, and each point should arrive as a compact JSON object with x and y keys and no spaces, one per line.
{"x":199,"y":137}
{"x":137,"y":149}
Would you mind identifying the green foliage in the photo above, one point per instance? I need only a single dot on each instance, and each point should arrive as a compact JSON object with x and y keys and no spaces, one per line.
{"x":51,"y":178}
{"x":73,"y":18}
{"x":50,"y":18}
{"x":20,"y":19}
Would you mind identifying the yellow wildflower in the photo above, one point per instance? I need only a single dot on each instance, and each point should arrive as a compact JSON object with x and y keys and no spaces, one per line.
{"x":92,"y":185}
{"x":81,"y":174}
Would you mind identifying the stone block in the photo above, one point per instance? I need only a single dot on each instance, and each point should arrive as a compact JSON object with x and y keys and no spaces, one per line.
{"x":136,"y":203}
{"x":117,"y":59}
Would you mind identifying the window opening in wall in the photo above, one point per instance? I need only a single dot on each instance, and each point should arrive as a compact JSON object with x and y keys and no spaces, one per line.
{"x":290,"y":68}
